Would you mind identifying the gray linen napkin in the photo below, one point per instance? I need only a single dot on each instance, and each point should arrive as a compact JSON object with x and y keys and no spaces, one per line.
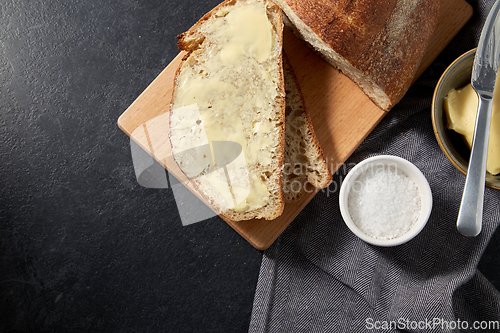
{"x":319,"y":277}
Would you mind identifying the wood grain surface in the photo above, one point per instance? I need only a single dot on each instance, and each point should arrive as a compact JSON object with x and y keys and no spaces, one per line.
{"x":341,"y":114}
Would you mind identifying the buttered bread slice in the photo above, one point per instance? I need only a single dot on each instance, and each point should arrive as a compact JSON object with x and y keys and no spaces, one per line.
{"x":228,"y":107}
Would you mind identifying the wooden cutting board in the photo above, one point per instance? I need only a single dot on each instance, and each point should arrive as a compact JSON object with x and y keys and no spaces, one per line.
{"x":342,"y":115}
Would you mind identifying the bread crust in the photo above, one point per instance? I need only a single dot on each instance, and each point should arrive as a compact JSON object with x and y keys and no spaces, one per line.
{"x":191,"y":41}
{"x":382,"y":44}
{"x":315,"y":169}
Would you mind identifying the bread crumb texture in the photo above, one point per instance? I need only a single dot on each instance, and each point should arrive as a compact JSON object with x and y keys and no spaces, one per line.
{"x":304,"y":159}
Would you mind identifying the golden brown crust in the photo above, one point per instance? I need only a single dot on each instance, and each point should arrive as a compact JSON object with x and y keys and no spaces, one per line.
{"x":385,"y":42}
{"x":347,"y":25}
{"x":186,"y":42}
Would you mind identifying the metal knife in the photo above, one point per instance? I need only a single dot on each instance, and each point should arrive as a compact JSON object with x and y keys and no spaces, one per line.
{"x":484,"y":73}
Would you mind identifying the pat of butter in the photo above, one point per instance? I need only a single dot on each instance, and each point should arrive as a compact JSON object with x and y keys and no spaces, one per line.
{"x":461,"y":109}
{"x":231,"y":88}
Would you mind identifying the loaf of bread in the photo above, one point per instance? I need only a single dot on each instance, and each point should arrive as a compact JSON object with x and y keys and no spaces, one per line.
{"x":304,"y":159}
{"x":378,"y":45}
{"x":228,"y":108}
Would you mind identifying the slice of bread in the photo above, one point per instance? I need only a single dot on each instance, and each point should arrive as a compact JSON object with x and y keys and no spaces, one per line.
{"x":304,"y":159}
{"x":228,"y":108}
{"x":377,"y":45}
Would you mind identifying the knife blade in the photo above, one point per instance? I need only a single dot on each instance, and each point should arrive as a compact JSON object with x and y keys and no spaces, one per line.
{"x":483,"y":79}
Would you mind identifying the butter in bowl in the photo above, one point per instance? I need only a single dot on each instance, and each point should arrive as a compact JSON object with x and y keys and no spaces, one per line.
{"x":460,"y":107}
{"x":454,"y":108}
{"x":385,"y":200}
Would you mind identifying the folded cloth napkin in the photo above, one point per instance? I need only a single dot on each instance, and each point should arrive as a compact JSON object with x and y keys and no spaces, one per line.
{"x":319,"y":277}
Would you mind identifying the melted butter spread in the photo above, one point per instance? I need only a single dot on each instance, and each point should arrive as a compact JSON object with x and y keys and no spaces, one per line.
{"x":248,"y":33}
{"x":461,"y":109}
{"x":230,"y":89}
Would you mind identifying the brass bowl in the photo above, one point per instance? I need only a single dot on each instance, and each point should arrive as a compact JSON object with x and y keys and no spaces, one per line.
{"x":457,"y":75}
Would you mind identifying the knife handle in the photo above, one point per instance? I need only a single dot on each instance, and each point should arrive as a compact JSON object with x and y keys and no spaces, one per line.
{"x":470,"y":214}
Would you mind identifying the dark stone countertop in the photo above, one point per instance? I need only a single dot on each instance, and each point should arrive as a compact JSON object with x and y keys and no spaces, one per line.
{"x":83,"y":246}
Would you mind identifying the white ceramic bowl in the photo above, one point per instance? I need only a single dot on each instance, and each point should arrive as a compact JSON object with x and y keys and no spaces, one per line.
{"x":411,"y":171}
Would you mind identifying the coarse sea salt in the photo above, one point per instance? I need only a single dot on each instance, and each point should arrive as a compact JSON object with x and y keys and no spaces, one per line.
{"x":384,"y":202}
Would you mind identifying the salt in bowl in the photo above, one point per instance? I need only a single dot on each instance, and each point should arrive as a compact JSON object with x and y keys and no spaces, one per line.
{"x":387,"y":189}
